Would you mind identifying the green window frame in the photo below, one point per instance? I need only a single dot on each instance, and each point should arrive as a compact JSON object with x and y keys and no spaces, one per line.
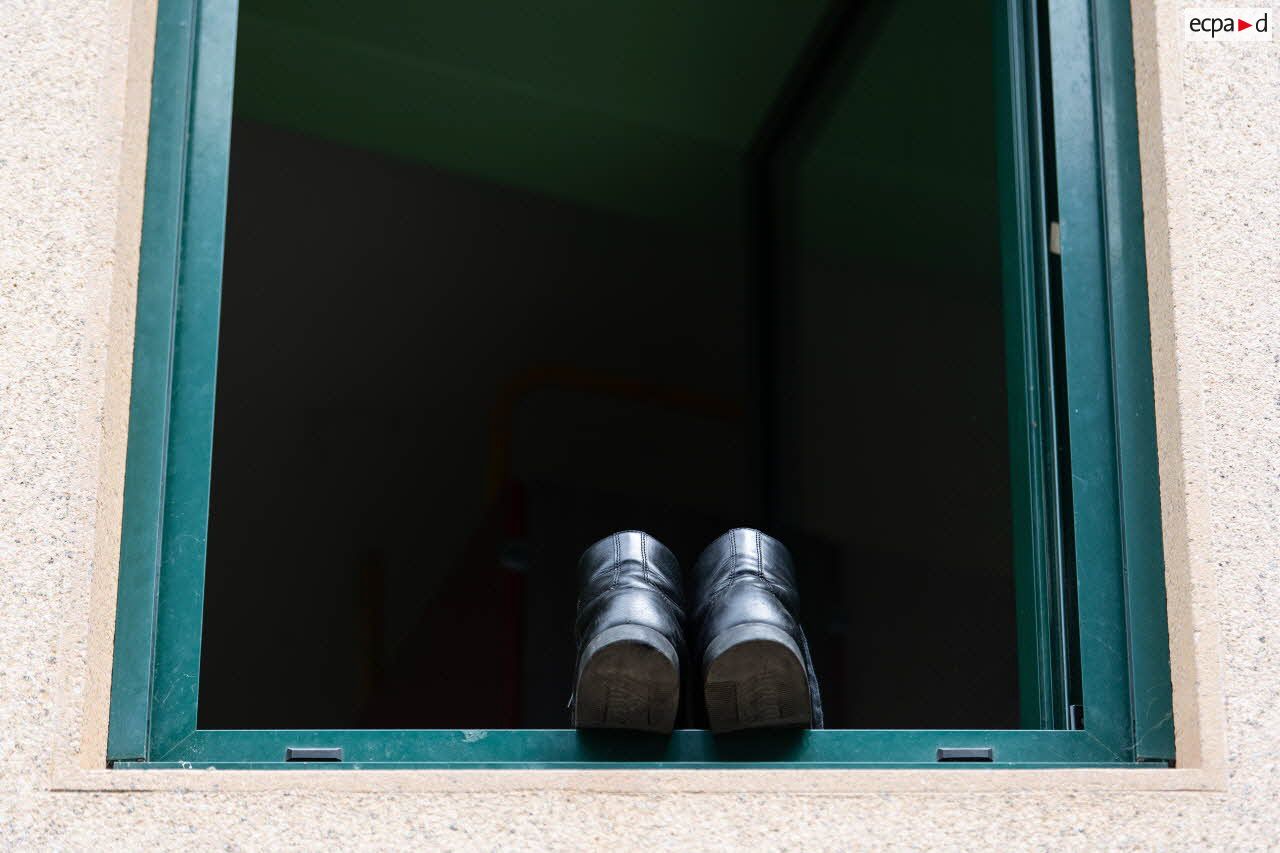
{"x":1099,"y":502}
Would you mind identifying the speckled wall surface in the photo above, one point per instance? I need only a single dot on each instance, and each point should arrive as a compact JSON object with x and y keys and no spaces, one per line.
{"x":72,"y":121}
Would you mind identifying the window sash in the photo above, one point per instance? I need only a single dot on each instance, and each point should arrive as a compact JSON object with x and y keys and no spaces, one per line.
{"x":1115,"y":520}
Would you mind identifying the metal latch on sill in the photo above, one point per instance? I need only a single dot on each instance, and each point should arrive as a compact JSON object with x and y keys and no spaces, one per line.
{"x":313,"y":753}
{"x":966,"y":753}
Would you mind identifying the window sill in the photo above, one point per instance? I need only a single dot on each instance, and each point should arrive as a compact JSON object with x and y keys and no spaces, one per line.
{"x":633,"y":781}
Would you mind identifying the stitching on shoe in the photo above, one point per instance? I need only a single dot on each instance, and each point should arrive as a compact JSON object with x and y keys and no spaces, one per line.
{"x":769,"y":582}
{"x":760,"y":559}
{"x":616,"y":568}
{"x":617,"y":562}
{"x":679,"y":610}
{"x":719,"y":590}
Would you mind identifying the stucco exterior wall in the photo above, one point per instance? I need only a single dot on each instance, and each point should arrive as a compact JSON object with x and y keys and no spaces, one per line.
{"x":73,"y":104}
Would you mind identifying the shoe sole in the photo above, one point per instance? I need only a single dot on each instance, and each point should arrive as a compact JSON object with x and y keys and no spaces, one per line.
{"x":628,"y":678}
{"x":754,"y":678}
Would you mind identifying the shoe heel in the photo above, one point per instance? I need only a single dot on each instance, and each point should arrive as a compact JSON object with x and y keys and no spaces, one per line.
{"x":628,"y":678}
{"x":754,"y":677}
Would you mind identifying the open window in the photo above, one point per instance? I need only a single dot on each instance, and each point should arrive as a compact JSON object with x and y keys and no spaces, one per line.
{"x":447,"y":292}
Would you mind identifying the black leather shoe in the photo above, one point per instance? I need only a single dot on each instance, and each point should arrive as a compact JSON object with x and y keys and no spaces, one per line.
{"x":630,"y":632}
{"x":756,"y":668}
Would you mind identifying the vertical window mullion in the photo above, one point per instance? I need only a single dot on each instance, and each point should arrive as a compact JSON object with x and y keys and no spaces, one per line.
{"x":1090,"y":391}
{"x":1043,"y":665}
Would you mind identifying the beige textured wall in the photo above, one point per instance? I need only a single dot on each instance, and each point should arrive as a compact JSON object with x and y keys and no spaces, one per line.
{"x":73,"y":100}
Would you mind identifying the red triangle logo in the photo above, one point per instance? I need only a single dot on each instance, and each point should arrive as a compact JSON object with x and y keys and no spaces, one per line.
{"x":1244,"y":25}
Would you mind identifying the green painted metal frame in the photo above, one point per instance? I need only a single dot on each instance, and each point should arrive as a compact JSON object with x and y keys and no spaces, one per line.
{"x":1110,"y":395}
{"x":1039,"y":559}
{"x":1123,"y":655}
{"x":179,"y":282}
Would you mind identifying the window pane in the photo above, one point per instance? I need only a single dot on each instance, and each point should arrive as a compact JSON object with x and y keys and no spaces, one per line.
{"x":891,"y":403}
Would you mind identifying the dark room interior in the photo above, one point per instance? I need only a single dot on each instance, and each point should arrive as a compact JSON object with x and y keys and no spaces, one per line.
{"x":499,"y":283}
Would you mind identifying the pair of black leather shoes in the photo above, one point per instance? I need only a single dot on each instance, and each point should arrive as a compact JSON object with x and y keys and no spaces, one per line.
{"x":749,"y":649}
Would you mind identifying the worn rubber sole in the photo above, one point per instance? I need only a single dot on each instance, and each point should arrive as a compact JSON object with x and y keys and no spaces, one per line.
{"x":628,"y":678}
{"x":754,"y":678}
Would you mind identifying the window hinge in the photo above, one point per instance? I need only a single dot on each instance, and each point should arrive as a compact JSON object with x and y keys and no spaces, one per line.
{"x":1075,"y":718}
{"x":1055,"y":239}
